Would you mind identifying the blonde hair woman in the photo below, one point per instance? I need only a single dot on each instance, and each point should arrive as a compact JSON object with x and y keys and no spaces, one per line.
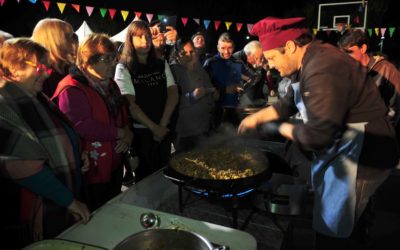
{"x":59,"y":39}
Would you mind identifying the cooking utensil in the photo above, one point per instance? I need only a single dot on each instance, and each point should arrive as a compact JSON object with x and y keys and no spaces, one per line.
{"x":219,"y":185}
{"x":164,"y":239}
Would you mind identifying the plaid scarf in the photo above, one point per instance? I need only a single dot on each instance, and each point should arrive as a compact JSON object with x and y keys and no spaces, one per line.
{"x":31,"y":129}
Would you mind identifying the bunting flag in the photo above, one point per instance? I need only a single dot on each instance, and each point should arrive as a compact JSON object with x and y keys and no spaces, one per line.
{"x":228,"y":25}
{"x":206,"y":23}
{"x":46,"y":5}
{"x":103,"y":12}
{"x":376,"y":31}
{"x":89,"y":10}
{"x":61,"y":7}
{"x":77,"y":7}
{"x":370,"y":32}
{"x":249,"y":27}
{"x":138,"y":14}
{"x":314,"y":31}
{"x":184,"y":21}
{"x":239,"y":26}
{"x":18,"y":1}
{"x":160,"y":17}
{"x":391,"y":31}
{"x":149,"y":16}
{"x":2,"y":2}
{"x":112,"y":13}
{"x":124,"y":14}
{"x":383,"y":31}
{"x":197,"y":20}
{"x":216,"y":24}
{"x":33,"y":1}
{"x":356,"y":20}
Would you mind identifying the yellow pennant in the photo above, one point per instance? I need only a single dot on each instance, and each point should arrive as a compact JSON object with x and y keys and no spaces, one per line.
{"x":377,"y":31}
{"x":124,"y":14}
{"x":228,"y":25}
{"x":61,"y":7}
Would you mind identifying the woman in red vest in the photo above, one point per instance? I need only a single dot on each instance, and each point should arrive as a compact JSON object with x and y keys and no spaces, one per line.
{"x":92,"y":101}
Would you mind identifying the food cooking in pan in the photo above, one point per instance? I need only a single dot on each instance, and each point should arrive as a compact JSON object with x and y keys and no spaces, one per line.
{"x":220,"y":163}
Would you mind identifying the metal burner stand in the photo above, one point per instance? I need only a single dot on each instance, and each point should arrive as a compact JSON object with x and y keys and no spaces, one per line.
{"x":234,"y":199}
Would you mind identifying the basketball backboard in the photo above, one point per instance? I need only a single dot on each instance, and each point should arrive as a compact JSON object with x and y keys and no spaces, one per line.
{"x":353,"y":14}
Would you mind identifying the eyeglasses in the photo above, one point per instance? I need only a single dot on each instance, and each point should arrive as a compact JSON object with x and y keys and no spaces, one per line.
{"x":106,"y":58}
{"x":40,"y":67}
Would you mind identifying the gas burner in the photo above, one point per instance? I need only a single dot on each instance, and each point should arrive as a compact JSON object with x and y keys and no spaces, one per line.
{"x":206,"y":193}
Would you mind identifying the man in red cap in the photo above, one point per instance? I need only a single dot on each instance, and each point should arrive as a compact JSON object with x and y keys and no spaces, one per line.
{"x":345,"y":126}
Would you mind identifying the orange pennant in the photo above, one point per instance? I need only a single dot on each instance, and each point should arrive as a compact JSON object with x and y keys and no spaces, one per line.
{"x":77,"y":7}
{"x":239,"y":26}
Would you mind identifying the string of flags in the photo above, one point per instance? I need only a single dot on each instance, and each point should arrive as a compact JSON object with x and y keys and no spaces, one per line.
{"x":125,"y":13}
{"x":380,"y":32}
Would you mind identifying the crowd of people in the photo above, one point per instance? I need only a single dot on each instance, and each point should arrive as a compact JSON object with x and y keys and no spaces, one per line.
{"x":70,"y":111}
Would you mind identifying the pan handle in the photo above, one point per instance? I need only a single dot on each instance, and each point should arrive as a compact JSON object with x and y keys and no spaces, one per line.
{"x":166,"y":174}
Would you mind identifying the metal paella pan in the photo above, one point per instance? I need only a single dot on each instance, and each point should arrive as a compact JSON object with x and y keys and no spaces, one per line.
{"x":222,"y":169}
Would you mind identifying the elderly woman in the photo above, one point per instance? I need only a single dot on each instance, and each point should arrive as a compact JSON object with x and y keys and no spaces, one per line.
{"x":39,"y":156}
{"x":90,"y":98}
{"x":59,"y":39}
{"x":148,"y":84}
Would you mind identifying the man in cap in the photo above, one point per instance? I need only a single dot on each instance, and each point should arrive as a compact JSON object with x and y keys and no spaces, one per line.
{"x":345,"y":126}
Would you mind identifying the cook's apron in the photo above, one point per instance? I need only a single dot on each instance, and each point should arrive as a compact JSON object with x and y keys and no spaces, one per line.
{"x":333,"y":176}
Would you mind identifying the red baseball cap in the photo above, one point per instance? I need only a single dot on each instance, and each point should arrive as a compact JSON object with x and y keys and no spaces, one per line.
{"x":274,"y":32}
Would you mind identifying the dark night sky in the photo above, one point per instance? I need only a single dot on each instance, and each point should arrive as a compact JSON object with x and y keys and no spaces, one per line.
{"x":20,"y":18}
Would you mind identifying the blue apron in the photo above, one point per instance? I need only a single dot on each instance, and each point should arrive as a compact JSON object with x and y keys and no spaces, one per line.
{"x":333,"y":176}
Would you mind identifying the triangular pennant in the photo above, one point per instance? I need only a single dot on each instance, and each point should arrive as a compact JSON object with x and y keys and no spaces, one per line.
{"x":18,"y":1}
{"x":216,"y":24}
{"x":138,"y":14}
{"x":206,"y":23}
{"x":377,"y":31}
{"x":77,"y":7}
{"x":184,"y":21}
{"x":33,"y":1}
{"x":46,"y":5}
{"x":103,"y":12}
{"x":89,"y":10}
{"x":2,"y":2}
{"x":356,"y":20}
{"x":112,"y":13}
{"x":315,"y":31}
{"x":383,"y":31}
{"x":160,"y":17}
{"x":197,"y":20}
{"x":149,"y":16}
{"x":228,"y":25}
{"x":239,"y":26}
{"x":370,"y":32}
{"x":360,"y":9}
{"x":61,"y":7}
{"x":124,"y":14}
{"x":249,"y":27}
{"x":391,"y":31}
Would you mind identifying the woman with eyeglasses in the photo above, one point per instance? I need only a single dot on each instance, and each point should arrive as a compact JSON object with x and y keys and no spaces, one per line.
{"x":90,"y":98}
{"x":148,"y":84}
{"x":58,"y":37}
{"x":40,"y":161}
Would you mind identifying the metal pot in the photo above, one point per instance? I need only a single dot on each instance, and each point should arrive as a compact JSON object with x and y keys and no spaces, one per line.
{"x":164,"y":239}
